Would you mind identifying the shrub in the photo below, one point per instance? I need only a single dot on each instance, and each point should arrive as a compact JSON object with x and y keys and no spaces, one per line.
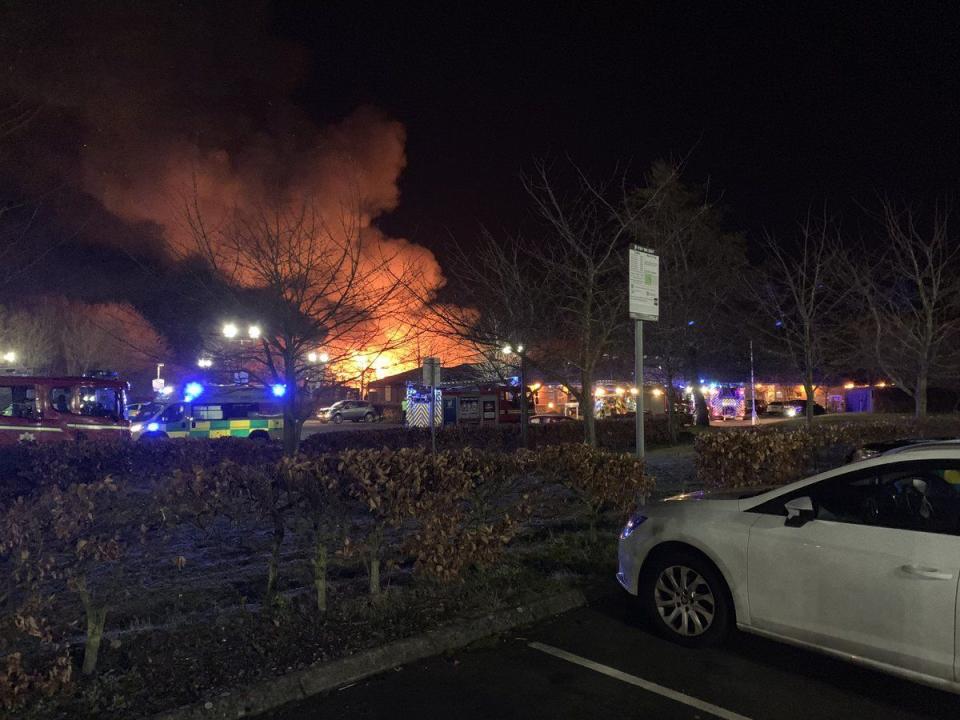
{"x":72,"y":539}
{"x":771,"y":455}
{"x":601,"y":481}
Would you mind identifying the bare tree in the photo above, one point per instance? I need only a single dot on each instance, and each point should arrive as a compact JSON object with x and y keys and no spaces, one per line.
{"x":312,"y":283}
{"x":561,"y":294}
{"x":684,"y":226}
{"x":801,"y":293}
{"x":911,"y":294}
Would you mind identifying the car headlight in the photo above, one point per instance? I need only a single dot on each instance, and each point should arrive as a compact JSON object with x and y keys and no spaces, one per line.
{"x":790,"y":412}
{"x":136,"y":427}
{"x":153,"y":427}
{"x":635,"y":521}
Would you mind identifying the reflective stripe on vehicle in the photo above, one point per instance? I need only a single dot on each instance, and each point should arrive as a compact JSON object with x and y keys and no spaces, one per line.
{"x":96,"y":427}
{"x":29,"y":428}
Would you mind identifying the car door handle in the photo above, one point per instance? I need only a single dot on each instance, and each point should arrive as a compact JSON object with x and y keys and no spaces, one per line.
{"x":926,"y":573}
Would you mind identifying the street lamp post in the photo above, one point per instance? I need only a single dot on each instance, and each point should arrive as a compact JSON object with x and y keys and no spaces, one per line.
{"x":524,"y":410}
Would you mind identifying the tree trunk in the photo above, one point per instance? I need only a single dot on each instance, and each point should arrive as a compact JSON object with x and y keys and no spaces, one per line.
{"x":374,"y":575}
{"x":920,"y":394}
{"x":273,"y":568}
{"x":320,"y":573}
{"x":587,"y":407}
{"x":693,"y":371}
{"x":291,"y":426}
{"x":811,"y":401}
{"x":96,"y":619}
{"x":671,"y":415}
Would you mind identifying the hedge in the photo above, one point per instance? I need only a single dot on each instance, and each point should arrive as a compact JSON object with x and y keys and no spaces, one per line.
{"x":69,"y":546}
{"x":771,"y":455}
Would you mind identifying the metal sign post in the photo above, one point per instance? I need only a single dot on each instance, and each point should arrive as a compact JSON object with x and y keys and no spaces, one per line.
{"x":644,"y":305}
{"x":431,"y":378}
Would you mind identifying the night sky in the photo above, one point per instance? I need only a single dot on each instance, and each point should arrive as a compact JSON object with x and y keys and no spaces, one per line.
{"x":780,"y":108}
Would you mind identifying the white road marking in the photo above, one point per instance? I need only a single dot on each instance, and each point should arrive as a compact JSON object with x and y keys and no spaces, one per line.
{"x":639,"y":682}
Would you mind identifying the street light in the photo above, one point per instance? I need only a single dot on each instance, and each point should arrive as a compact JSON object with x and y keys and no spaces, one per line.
{"x":311,"y":357}
{"x":205,"y":362}
{"x":230,"y":330}
{"x":324,"y":357}
{"x":254,"y":332}
{"x":10,"y":356}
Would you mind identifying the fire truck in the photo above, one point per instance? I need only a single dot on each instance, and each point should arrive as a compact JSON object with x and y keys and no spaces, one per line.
{"x":49,"y":409}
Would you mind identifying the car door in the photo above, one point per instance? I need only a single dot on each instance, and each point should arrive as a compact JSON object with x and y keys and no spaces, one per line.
{"x":873,"y":574}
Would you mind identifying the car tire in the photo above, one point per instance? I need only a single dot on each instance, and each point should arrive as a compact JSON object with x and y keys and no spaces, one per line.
{"x":260,"y":436}
{"x":686,"y":599}
{"x":369,"y":418}
{"x":337,"y":419}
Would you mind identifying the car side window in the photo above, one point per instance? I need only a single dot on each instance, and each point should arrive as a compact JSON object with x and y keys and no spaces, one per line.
{"x":18,"y":401}
{"x":918,"y":495}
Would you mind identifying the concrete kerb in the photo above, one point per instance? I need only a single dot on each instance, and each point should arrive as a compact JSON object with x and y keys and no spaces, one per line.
{"x":271,"y":694}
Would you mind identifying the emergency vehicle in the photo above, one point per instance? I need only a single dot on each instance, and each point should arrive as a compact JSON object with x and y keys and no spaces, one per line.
{"x":49,"y":409}
{"x":213,"y":412}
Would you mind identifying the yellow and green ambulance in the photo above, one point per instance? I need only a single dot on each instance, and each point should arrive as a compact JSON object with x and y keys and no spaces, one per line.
{"x":212,"y":412}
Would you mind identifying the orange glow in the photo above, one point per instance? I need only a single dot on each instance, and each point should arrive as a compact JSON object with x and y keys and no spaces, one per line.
{"x":881,"y":384}
{"x":848,"y":386}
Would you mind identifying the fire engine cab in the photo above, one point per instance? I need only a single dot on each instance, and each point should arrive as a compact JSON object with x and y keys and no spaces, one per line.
{"x":47,"y":409}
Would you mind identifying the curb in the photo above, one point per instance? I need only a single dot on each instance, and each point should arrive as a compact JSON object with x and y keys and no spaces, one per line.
{"x":301,"y":684}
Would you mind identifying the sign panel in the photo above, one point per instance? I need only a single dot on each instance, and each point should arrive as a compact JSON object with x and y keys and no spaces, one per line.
{"x":431,"y":371}
{"x":644,"y":284}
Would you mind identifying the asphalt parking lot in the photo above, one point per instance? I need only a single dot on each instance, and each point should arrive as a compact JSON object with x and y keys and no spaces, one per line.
{"x":600,"y":662}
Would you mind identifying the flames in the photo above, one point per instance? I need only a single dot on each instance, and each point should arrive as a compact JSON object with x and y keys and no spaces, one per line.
{"x":208,"y":118}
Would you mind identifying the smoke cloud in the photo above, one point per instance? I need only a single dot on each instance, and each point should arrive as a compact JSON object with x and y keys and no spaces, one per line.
{"x":156,"y":104}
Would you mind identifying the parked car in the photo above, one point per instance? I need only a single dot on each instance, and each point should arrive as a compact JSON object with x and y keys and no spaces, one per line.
{"x":353,"y":410}
{"x":550,"y":419}
{"x":792,"y":408}
{"x":861,"y":562}
{"x":873,"y":449}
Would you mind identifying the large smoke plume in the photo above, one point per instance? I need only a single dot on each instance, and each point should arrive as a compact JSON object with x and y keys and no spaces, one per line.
{"x":155,"y":103}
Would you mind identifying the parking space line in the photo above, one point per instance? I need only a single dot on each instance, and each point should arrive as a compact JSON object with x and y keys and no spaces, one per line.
{"x":639,"y":682}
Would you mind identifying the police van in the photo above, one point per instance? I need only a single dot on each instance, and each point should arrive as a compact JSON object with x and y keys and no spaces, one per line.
{"x":212,"y":412}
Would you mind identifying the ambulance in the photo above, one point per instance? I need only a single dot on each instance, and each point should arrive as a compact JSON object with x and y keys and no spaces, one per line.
{"x":214,"y":411}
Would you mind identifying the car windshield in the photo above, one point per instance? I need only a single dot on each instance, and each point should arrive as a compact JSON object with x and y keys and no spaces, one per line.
{"x":146,"y":410}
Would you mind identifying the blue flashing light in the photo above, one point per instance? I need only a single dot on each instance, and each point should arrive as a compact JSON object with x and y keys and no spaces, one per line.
{"x":153,"y":427}
{"x":279,"y":390}
{"x":778,"y":323}
{"x":188,"y":398}
{"x":691,"y":322}
{"x":192,"y":390}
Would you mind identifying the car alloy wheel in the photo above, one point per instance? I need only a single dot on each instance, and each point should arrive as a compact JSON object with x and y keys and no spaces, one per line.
{"x":337,"y":419}
{"x":684,"y":601}
{"x":368,"y":418}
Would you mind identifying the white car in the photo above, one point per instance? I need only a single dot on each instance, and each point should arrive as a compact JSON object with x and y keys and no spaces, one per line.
{"x":861,"y":562}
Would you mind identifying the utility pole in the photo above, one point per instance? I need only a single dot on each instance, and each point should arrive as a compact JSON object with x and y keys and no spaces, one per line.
{"x":638,"y":378}
{"x":644,"y":287}
{"x":753,"y":390}
{"x":524,"y":410}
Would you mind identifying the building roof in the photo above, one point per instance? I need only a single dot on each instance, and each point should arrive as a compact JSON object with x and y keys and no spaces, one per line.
{"x":448,"y":376}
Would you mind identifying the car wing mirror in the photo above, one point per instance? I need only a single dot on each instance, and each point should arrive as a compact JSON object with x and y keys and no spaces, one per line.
{"x":799,"y":511}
